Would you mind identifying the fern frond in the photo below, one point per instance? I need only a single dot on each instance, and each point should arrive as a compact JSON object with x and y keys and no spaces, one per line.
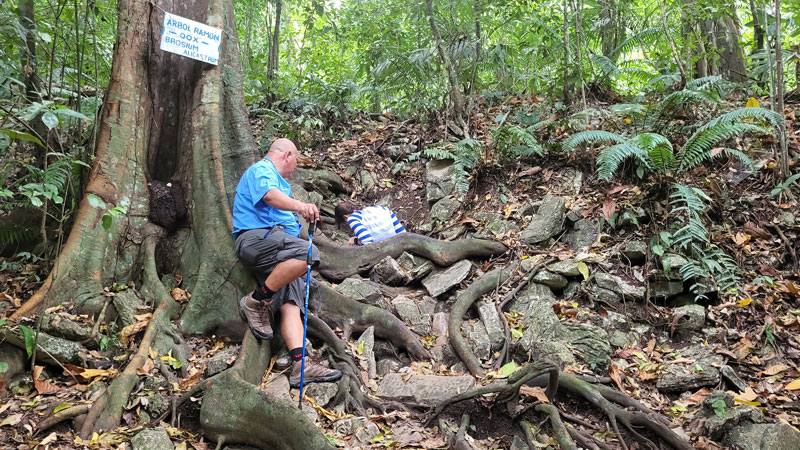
{"x":591,"y":137}
{"x":772,"y":117}
{"x":697,"y":148}
{"x":645,"y":38}
{"x":680,"y":99}
{"x":606,"y":65}
{"x":664,"y":80}
{"x":738,"y":154}
{"x":11,"y":234}
{"x":628,"y":109}
{"x":658,"y":149}
{"x":710,"y":83}
{"x":609,"y":160}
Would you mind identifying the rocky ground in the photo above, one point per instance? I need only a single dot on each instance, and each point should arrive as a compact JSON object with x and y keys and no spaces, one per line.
{"x":584,"y":290}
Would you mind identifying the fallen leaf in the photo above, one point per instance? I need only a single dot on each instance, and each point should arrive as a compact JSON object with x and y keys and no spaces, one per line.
{"x":747,"y":396}
{"x":42,"y":387}
{"x":146,"y":367}
{"x":741,"y":239}
{"x":534,"y":391}
{"x":179,"y":295}
{"x":775,"y":369}
{"x":744,"y":302}
{"x":49,"y":439}
{"x":609,"y":208}
{"x":11,"y":420}
{"x":793,"y":386}
{"x":130,"y":330}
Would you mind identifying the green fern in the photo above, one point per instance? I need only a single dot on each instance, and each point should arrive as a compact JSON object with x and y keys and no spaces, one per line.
{"x":609,"y":160}
{"x":11,"y":234}
{"x":591,"y":137}
{"x":644,"y":38}
{"x":512,"y":140}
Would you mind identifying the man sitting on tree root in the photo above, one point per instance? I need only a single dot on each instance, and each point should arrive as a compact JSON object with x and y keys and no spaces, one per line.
{"x":267,"y":230}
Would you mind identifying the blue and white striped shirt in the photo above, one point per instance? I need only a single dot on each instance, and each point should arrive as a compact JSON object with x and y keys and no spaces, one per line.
{"x":374,"y":224}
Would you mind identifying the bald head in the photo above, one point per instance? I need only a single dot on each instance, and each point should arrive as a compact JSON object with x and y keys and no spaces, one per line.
{"x":282,"y":145}
{"x":283,"y":154}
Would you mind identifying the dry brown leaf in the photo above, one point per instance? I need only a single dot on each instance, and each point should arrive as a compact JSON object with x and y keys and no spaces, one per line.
{"x":42,"y":387}
{"x":146,"y":367}
{"x":180,"y":295}
{"x":49,"y":439}
{"x":130,"y":330}
{"x":775,"y":369}
{"x":609,"y":208}
{"x":534,"y":391}
{"x":748,"y":395}
{"x":616,"y":375}
{"x":793,"y":386}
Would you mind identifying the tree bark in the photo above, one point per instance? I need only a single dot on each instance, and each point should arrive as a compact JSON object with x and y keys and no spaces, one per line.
{"x":732,"y":58}
{"x":29,"y":73}
{"x":455,"y":87}
{"x":274,"y":45}
{"x":783,"y":152}
{"x":758,"y":30}
{"x":675,"y":53}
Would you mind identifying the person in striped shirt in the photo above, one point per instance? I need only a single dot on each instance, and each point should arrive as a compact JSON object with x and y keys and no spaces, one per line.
{"x":370,"y":224}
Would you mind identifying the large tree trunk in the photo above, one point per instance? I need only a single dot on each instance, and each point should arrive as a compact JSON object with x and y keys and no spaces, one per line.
{"x":165,"y":118}
{"x":274,"y":44}
{"x":30,"y":76}
{"x":732,"y":58}
{"x":612,"y":32}
{"x":455,"y":87}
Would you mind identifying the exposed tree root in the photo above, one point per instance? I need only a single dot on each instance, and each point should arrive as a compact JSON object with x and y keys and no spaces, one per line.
{"x":510,"y":389}
{"x":464,"y":301}
{"x":560,"y":432}
{"x":615,"y":413}
{"x":460,"y":441}
{"x":235,"y":411}
{"x":346,"y":313}
{"x":61,"y":416}
{"x":585,"y":440}
{"x":106,"y":412}
{"x":339,"y":262}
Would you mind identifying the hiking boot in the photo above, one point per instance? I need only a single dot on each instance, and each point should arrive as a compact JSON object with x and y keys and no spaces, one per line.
{"x":257,"y":314}
{"x":314,"y":373}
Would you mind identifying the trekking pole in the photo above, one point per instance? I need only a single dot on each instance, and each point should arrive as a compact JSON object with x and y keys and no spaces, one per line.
{"x":311,"y":227}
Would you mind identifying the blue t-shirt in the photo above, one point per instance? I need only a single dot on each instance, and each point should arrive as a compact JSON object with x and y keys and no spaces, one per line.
{"x":249,"y":209}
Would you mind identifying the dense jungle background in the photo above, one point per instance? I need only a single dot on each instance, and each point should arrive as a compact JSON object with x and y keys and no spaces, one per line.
{"x":601,"y":199}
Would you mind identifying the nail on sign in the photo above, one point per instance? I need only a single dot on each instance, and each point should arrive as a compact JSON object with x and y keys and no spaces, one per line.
{"x":191,"y":39}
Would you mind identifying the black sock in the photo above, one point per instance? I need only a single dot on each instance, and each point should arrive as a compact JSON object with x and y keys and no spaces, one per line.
{"x":263,"y":293}
{"x":297,"y":353}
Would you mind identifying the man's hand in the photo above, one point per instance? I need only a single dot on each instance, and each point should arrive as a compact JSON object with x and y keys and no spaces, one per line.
{"x":308,"y":211}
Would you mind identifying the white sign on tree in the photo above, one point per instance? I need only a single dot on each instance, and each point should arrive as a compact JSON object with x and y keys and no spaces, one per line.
{"x":191,"y":39}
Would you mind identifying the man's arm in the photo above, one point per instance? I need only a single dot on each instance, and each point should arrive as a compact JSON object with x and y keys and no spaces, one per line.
{"x":278,"y":200}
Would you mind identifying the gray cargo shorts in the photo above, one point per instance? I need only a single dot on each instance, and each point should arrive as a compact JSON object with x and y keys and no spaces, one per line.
{"x":260,"y":250}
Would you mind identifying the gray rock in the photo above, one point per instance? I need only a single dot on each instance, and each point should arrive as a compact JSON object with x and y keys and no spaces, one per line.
{"x":61,"y":349}
{"x":415,"y":266}
{"x":127,"y":304}
{"x":493,"y":324}
{"x":348,"y":426}
{"x":496,"y":229}
{"x":477,"y":338}
{"x":426,"y":390}
{"x":635,"y":252}
{"x":397,"y":151}
{"x":388,"y":365}
{"x":441,"y":176}
{"x":627,"y":289}
{"x":366,"y":433}
{"x":573,"y":287}
{"x":555,"y":351}
{"x":671,"y":263}
{"x":368,"y":340}
{"x":152,"y":439}
{"x":583,"y":234}
{"x":664,"y":288}
{"x":322,"y":393}
{"x":451,"y":233}
{"x":408,"y":310}
{"x":550,"y":279}
{"x":700,"y":370}
{"x":519,"y":444}
{"x":439,"y":327}
{"x":606,"y":295}
{"x":590,"y":341}
{"x":692,"y":317}
{"x":721,"y":415}
{"x":219,"y":362}
{"x":540,"y":324}
{"x":547,"y":222}
{"x":765,"y":436}
{"x":441,"y":281}
{"x":366,"y":180}
{"x":733,"y":378}
{"x":154,"y":404}
{"x":388,"y":272}
{"x":574,"y":215}
{"x":787,"y":219}
{"x":360,"y":290}
{"x":60,"y":326}
{"x":632,"y":216}
{"x":567,"y":267}
{"x":443,"y":209}
{"x":535,"y":293}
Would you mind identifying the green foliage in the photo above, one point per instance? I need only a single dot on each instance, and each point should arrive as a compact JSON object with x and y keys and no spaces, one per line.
{"x":785,"y":185}
{"x":464,"y":153}
{"x":707,"y":265}
{"x":29,"y":337}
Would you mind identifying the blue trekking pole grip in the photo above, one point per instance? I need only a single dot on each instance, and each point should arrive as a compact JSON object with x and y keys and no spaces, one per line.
{"x":311,"y":227}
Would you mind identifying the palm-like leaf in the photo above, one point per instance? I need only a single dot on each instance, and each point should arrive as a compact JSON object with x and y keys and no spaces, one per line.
{"x":591,"y":137}
{"x":609,"y":160}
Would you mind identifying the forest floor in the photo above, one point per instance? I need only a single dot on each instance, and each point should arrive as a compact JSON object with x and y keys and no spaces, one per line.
{"x":754,"y":331}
